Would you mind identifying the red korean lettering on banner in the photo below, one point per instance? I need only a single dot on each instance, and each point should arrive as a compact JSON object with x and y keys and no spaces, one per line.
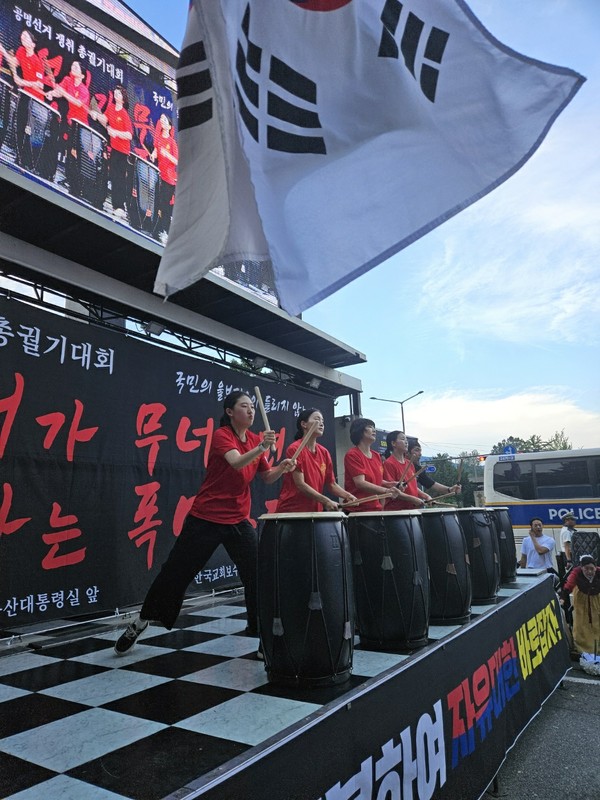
{"x":188,"y":445}
{"x":54,"y":559}
{"x":55,"y":421}
{"x":146,"y":531}
{"x":148,"y":422}
{"x":9,"y":407}
{"x":7,"y":527}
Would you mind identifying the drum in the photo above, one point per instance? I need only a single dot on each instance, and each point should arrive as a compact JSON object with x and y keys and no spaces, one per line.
{"x":305,"y":599}
{"x":391,"y":579}
{"x":449,"y":570}
{"x":143,"y":208}
{"x":87,"y":164}
{"x":37,"y":135}
{"x":8,"y":107}
{"x":506,"y":543}
{"x":484,"y":553}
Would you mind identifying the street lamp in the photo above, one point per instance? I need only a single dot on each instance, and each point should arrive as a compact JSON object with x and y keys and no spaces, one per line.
{"x":401,"y":403}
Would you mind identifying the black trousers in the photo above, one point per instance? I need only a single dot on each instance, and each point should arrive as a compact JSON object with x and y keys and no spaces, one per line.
{"x":195,"y":545}
{"x":119,"y":176}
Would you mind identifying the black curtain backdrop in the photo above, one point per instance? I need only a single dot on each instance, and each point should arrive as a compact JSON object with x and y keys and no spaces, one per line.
{"x":103,"y":445}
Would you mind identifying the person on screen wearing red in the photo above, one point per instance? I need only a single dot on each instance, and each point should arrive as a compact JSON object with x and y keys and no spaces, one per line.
{"x":74,"y":89}
{"x":398,"y":469}
{"x":120,"y":131}
{"x":31,"y":67}
{"x":166,"y":154}
{"x":28,"y":74}
{"x":363,"y":470}
{"x":219,"y":515}
{"x":302,"y":489}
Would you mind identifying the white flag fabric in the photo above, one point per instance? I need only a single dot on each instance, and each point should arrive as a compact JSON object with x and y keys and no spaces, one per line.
{"x":324,"y":136}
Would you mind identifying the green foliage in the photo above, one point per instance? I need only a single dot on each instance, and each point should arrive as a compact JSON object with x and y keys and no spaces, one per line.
{"x":535,"y":443}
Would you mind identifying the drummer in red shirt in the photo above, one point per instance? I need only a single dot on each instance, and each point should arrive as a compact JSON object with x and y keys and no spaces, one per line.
{"x":166,"y":154}
{"x":363,"y":470}
{"x":219,"y":515}
{"x":120,"y":130}
{"x":302,"y":489}
{"x":399,"y":469}
{"x":28,"y":74}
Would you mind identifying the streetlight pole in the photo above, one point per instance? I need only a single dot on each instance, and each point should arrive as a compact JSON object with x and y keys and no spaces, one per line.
{"x":401,"y":403}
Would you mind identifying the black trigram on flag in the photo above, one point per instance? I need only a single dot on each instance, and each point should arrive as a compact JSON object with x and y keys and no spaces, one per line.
{"x":283,"y":80}
{"x":411,"y":35}
{"x":193,"y":82}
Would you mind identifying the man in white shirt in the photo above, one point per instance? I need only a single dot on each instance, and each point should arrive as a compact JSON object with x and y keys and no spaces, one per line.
{"x":566,"y":536}
{"x":537,"y":549}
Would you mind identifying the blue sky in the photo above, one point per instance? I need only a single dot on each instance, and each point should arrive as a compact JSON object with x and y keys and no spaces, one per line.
{"x":495,"y":315}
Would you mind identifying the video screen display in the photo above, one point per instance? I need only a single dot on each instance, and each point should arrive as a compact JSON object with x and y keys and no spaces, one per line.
{"x":87,"y":113}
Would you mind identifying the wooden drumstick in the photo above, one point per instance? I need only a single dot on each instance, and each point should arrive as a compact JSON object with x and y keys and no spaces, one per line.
{"x":306,"y":438}
{"x":441,"y":496}
{"x":408,"y":463}
{"x":263,"y":412}
{"x":366,"y":499}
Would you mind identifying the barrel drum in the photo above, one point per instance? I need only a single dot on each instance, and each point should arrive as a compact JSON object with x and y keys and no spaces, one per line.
{"x":305,"y":598}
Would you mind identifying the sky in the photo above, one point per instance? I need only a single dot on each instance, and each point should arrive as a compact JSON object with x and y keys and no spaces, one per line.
{"x":495,"y":315}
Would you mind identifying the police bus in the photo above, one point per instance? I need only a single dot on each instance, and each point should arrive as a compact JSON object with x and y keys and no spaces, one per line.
{"x":545,"y":485}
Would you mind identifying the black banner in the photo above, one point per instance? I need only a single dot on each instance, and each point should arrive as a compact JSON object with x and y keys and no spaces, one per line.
{"x":104,"y":441}
{"x":438,"y":728}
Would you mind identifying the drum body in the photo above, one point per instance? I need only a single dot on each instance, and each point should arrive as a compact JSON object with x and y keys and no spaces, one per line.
{"x":506,"y":543}
{"x":484,"y":553}
{"x":87,"y":164}
{"x":8,"y":108}
{"x":449,"y":570}
{"x":391,"y":579}
{"x":305,"y":599}
{"x":37,"y":135}
{"x":145,"y":181}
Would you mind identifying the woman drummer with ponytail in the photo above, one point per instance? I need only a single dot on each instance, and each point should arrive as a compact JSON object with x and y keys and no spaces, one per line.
{"x":302,"y":489}
{"x":219,"y":515}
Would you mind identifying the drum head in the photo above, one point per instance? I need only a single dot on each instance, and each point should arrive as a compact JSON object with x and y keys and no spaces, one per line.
{"x":417,"y":511}
{"x":449,"y":510}
{"x":306,"y":515}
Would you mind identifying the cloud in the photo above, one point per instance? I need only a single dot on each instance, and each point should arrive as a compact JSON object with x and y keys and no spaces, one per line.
{"x":454,"y":421}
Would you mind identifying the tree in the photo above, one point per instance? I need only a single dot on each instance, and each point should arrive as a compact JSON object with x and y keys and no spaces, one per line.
{"x":535,"y":443}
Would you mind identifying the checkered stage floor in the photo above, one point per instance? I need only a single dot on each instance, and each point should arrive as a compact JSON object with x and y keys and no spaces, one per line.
{"x":78,"y":722}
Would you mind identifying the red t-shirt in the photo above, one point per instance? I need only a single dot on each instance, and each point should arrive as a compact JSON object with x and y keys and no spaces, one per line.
{"x":357,"y":463}
{"x":32,"y":69}
{"x":393,"y":470}
{"x":119,"y":120}
{"x":224,"y":496}
{"x":168,"y":170}
{"x":80,"y":93}
{"x":317,"y":470}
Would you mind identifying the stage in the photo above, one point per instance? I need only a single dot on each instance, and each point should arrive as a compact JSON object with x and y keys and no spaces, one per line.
{"x":190,"y":713}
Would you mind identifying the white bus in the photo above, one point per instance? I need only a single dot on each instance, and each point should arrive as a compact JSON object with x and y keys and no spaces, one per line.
{"x":545,"y":485}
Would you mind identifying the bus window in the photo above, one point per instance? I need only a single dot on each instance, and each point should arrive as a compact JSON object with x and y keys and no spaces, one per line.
{"x":515,"y":479}
{"x":560,"y":478}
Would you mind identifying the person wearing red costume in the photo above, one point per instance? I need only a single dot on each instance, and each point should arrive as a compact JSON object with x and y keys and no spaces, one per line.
{"x":73,"y":88}
{"x":219,"y":515}
{"x":398,"y":469}
{"x":120,"y":130}
{"x":302,"y":489}
{"x":28,"y":74}
{"x":363,"y":470}
{"x":166,"y":154}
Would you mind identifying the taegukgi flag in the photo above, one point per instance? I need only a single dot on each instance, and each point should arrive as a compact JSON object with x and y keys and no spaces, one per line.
{"x":326,"y":135}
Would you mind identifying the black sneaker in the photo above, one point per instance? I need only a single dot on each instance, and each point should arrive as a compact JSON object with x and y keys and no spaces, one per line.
{"x":126,"y":641}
